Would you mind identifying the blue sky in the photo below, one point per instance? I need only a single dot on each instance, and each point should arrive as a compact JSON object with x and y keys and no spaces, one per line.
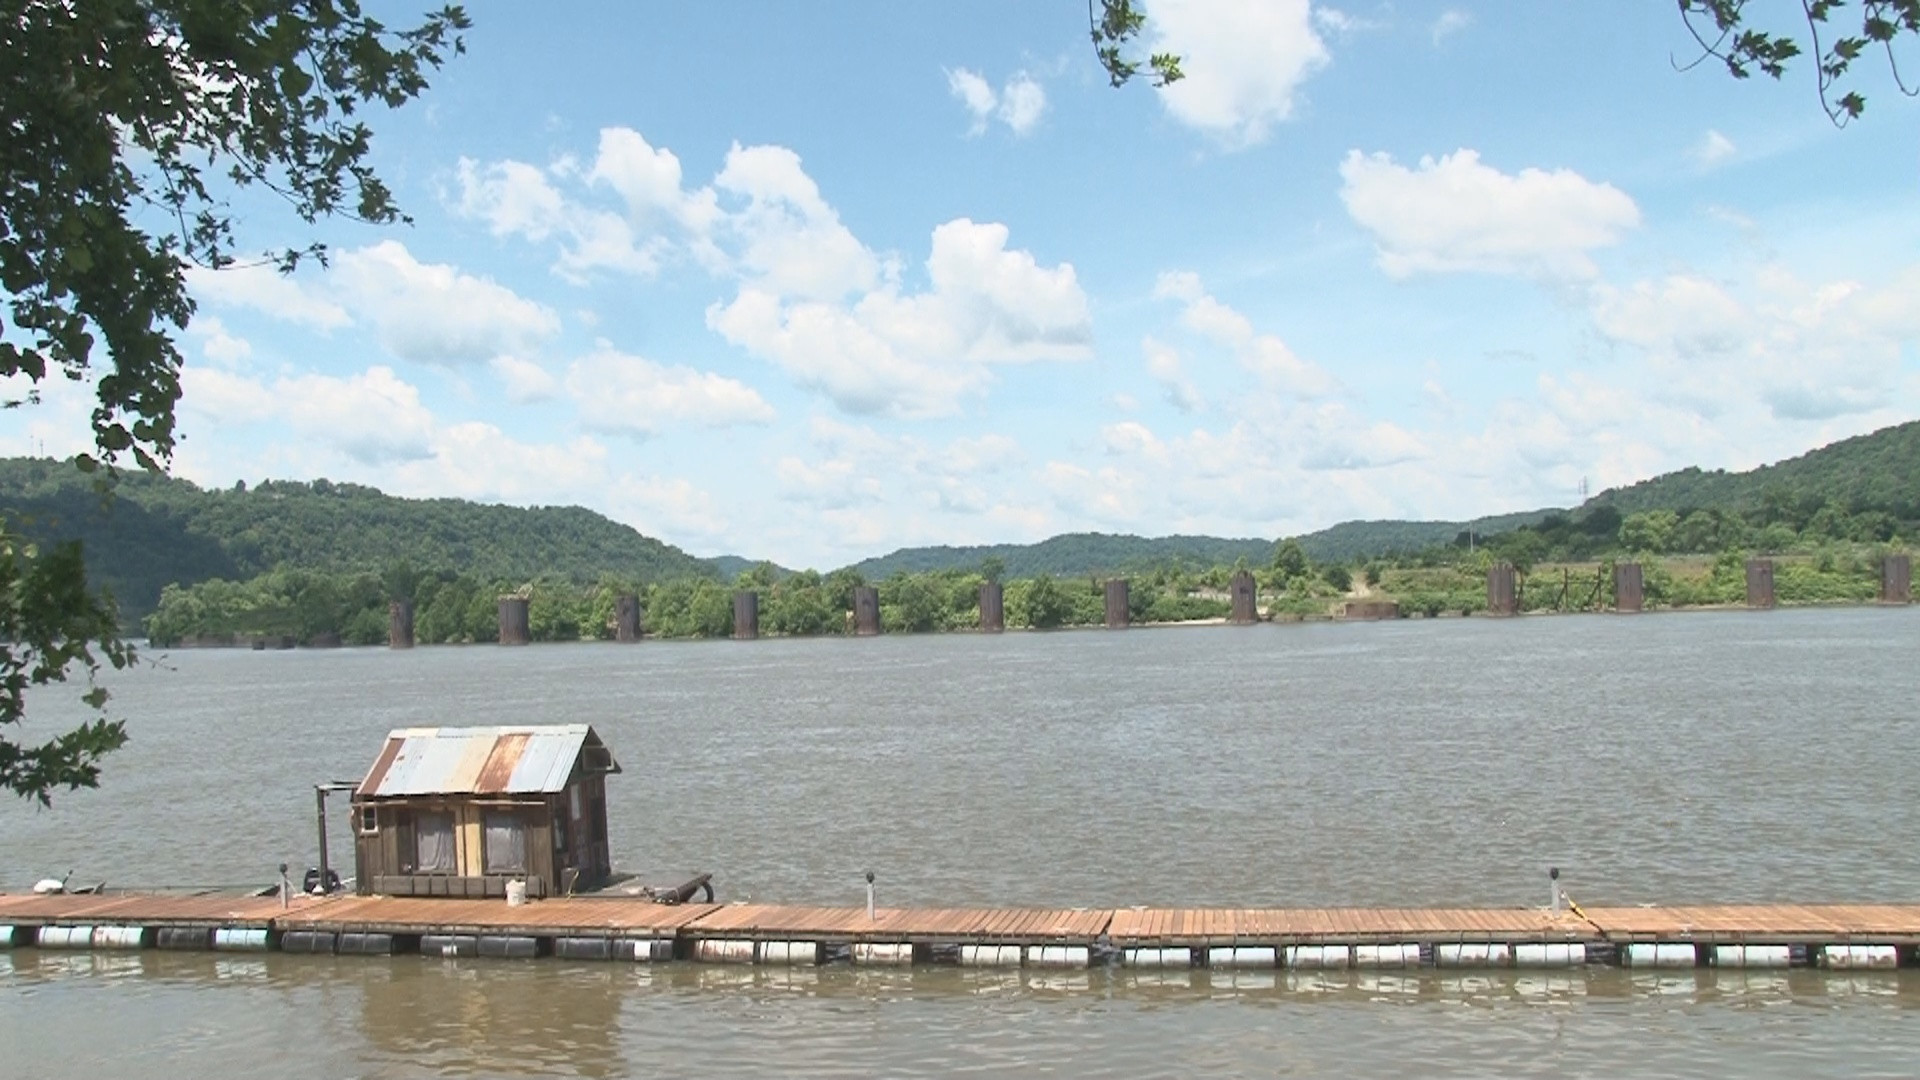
{"x":813,"y":282}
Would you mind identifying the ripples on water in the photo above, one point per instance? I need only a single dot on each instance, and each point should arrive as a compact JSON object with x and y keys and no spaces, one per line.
{"x":1720,"y":757}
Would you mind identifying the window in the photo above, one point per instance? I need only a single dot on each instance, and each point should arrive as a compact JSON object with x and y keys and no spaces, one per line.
{"x":433,"y":844}
{"x":506,"y":843}
{"x":369,"y":821}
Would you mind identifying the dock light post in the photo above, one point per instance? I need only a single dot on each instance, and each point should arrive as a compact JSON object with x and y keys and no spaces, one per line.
{"x":1553,"y":883}
{"x":869,"y":896}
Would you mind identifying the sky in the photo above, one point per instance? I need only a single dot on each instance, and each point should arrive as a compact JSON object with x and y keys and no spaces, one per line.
{"x":813,"y":282}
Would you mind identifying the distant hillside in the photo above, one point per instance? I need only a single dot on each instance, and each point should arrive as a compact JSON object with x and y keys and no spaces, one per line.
{"x":729,"y":567}
{"x":1880,"y":471}
{"x":160,"y":530}
{"x":1351,"y":541}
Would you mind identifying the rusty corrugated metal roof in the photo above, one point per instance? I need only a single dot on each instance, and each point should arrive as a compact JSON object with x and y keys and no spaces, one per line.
{"x":477,"y":760}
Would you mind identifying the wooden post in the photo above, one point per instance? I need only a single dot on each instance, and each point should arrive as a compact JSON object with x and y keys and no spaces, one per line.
{"x":1117,"y":613}
{"x":1246,"y":600}
{"x":1896,"y":580}
{"x":1501,"y":596}
{"x":746,"y":615}
{"x":993,"y":608}
{"x":866,"y":610}
{"x":400,"y":624}
{"x":626,"y":617}
{"x":514,"y":627}
{"x":1629,"y":587}
{"x":1759,"y":583}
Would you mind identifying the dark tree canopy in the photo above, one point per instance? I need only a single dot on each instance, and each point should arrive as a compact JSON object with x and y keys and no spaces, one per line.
{"x":125,"y":126}
{"x":1837,"y":34}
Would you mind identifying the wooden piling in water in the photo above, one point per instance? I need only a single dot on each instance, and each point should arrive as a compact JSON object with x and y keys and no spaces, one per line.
{"x":866,"y":610}
{"x":626,"y":617}
{"x":514,"y":627}
{"x":993,"y":609}
{"x":1896,"y":580}
{"x":1759,"y":583}
{"x":1245,"y":599}
{"x":1629,"y":587}
{"x":1503,"y":597}
{"x":400,"y":624}
{"x":746,"y":615}
{"x":1117,"y":613}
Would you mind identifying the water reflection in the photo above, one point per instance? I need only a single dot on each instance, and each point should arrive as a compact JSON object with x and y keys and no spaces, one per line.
{"x":494,"y":1018}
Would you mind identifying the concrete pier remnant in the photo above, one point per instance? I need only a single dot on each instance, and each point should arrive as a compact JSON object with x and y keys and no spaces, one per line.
{"x":1896,"y":579}
{"x":993,"y":607}
{"x":746,"y":615}
{"x":514,"y":627}
{"x":1503,"y":597}
{"x":1117,"y":613}
{"x":1759,"y":583}
{"x":1245,"y":598}
{"x":626,"y":617}
{"x":1629,"y":587}
{"x":866,"y":610}
{"x":400,"y":624}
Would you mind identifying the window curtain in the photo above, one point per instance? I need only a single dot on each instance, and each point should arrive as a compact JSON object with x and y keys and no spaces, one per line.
{"x":433,"y":844}
{"x":506,"y":844}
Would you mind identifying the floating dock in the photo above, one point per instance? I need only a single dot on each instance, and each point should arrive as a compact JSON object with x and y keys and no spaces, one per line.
{"x":635,"y":929}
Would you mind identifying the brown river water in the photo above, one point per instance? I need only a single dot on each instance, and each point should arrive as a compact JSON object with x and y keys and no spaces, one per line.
{"x":1703,"y":757}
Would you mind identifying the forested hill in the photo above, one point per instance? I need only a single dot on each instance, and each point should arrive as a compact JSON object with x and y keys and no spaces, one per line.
{"x":1073,"y":554}
{"x":1876,"y":472}
{"x":160,"y":530}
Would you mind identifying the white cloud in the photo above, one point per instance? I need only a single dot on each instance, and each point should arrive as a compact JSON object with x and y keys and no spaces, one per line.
{"x":516,"y":199}
{"x":1020,"y":104}
{"x":526,"y":382}
{"x":792,"y":242}
{"x":264,"y":288}
{"x":1450,"y":22}
{"x":1265,"y":355}
{"x":1714,"y":149}
{"x":432,"y":313}
{"x":373,"y":417}
{"x":919,"y":354}
{"x":1164,"y":365}
{"x":224,"y":397}
{"x":1455,"y":213}
{"x":217,"y":344}
{"x":615,"y":391}
{"x":1244,"y":62}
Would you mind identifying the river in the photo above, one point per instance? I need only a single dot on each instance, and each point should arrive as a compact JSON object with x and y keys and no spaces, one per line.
{"x":1697,"y":757}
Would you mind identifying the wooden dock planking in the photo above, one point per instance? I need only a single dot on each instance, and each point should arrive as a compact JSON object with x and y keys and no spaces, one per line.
{"x":566,"y":917}
{"x":1769,"y":923}
{"x":1230,"y":926}
{"x":149,"y":909}
{"x":762,"y":921}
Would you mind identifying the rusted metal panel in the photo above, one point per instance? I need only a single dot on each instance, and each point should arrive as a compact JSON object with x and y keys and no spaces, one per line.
{"x":496,"y":775}
{"x":381,"y":764}
{"x":548,"y":759}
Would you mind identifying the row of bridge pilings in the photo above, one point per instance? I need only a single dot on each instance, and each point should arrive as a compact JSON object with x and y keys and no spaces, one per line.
{"x":515,"y":628}
{"x":1503,"y":598}
{"x":1630,"y":590}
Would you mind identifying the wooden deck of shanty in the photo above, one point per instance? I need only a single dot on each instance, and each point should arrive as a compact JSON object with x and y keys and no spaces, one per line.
{"x":604,"y":916}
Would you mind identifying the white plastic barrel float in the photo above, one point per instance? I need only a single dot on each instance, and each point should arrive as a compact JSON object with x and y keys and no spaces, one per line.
{"x":990,"y":956}
{"x":1243,"y":956}
{"x":1057,"y":956}
{"x":1308,"y":957}
{"x":1752,"y":956}
{"x":240,"y":940}
{"x":1473,"y":954}
{"x":1550,"y":954}
{"x":1859,"y":957}
{"x":789,"y":952}
{"x":66,"y":937}
{"x":883,"y":953}
{"x":1156,"y":958}
{"x":1662,"y":954}
{"x":723,"y":951}
{"x":1404,"y":954}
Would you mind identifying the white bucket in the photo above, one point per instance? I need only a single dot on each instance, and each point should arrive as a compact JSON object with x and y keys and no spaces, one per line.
{"x":516,"y":893}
